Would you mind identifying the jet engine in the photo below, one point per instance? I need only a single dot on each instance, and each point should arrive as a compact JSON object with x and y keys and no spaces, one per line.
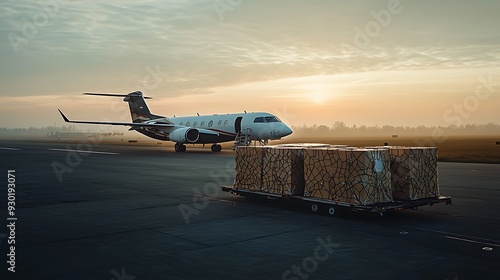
{"x":185,"y":135}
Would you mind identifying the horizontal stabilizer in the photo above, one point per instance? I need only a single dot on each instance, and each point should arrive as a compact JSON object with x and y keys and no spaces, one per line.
{"x":135,"y":93}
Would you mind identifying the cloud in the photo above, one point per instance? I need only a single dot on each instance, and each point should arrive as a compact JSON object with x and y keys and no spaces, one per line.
{"x":91,"y":45}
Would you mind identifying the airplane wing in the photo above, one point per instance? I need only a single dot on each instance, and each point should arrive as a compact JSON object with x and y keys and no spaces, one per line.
{"x":165,"y":127}
{"x":118,"y":123}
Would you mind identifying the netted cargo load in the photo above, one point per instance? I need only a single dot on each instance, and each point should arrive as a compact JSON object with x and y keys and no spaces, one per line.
{"x":249,"y":164}
{"x":283,"y":171}
{"x":414,"y":172}
{"x":350,"y":175}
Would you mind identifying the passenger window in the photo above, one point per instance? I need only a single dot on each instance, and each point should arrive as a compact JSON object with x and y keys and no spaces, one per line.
{"x":182,"y":123}
{"x":210,"y":123}
{"x":195,"y":124}
{"x":219,"y":123}
{"x":225,"y":123}
{"x":188,"y":124}
{"x":202,"y":124}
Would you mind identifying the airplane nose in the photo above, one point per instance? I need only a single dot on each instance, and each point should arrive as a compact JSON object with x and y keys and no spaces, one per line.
{"x":286,"y":130}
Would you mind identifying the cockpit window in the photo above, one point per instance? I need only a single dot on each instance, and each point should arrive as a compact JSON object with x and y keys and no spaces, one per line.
{"x":267,"y":119}
{"x":272,"y":119}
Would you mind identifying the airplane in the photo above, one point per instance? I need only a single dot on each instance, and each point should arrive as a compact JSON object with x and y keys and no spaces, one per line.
{"x":242,"y":128}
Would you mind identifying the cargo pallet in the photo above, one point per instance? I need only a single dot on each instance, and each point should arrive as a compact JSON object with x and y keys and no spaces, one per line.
{"x":316,"y":204}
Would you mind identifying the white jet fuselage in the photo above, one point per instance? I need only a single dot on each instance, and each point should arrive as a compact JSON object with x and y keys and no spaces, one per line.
{"x":258,"y":126}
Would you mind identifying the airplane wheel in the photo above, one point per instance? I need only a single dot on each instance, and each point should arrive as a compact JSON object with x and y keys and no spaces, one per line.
{"x":216,"y":148}
{"x":180,"y":148}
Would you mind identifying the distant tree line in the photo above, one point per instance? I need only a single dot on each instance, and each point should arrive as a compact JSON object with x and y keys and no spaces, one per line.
{"x":48,"y":131}
{"x":340,"y":129}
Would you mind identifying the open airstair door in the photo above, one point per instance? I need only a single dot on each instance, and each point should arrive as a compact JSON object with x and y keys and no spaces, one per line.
{"x":241,"y":138}
{"x":237,"y":125}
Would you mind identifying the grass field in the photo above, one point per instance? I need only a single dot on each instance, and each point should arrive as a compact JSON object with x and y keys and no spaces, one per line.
{"x":454,"y":149}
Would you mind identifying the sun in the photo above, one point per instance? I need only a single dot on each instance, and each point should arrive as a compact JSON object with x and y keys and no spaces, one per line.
{"x":319,"y":98}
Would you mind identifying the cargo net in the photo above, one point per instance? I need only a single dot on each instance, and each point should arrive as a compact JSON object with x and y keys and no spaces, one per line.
{"x":283,"y":171}
{"x":353,"y":176}
{"x":249,"y":167}
{"x":414,"y":172}
{"x":345,"y":174}
{"x":274,"y":170}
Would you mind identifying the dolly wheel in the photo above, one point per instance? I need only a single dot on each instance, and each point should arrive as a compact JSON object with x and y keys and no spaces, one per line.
{"x":314,"y":207}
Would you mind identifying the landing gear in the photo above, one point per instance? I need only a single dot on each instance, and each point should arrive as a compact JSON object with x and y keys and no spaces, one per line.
{"x":180,"y":148}
{"x":216,"y":148}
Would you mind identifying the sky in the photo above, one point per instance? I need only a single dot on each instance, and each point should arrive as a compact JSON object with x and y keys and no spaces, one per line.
{"x":363,"y":62}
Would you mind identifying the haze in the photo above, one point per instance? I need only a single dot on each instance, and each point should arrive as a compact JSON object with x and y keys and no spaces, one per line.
{"x":320,"y":61}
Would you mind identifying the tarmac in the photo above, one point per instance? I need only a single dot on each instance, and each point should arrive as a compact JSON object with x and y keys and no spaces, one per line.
{"x":94,"y":211}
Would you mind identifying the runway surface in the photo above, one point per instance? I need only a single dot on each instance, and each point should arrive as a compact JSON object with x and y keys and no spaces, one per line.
{"x":93,"y":211}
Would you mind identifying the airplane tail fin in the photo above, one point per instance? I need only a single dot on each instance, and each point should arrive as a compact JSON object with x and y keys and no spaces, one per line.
{"x":136,"y":101}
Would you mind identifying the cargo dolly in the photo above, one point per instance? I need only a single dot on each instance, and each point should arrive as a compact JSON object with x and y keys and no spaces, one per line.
{"x":318,"y":205}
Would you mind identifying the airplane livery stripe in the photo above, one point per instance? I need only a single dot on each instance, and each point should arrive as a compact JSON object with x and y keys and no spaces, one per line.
{"x":224,"y":132}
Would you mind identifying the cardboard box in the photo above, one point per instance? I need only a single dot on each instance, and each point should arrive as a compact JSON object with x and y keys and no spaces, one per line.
{"x":414,"y":172}
{"x":249,"y":167}
{"x":283,"y":171}
{"x":318,"y":169}
{"x":354,"y":176}
{"x":368,"y":176}
{"x":351,"y":175}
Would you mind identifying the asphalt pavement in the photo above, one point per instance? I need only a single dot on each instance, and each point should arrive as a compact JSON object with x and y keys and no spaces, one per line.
{"x":94,"y":211}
